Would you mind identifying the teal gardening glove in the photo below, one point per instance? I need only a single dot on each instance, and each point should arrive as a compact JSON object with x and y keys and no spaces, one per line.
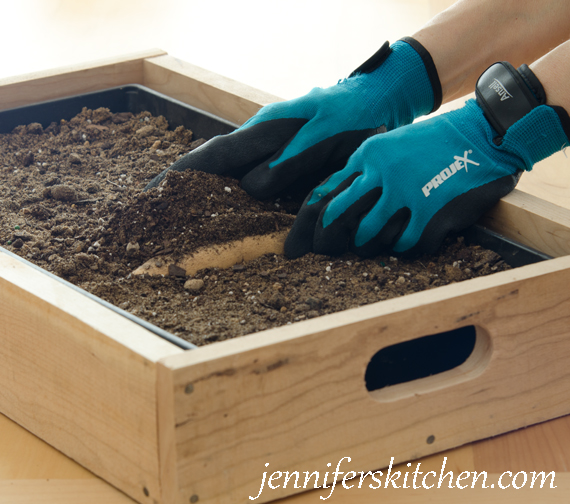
{"x":404,"y":191}
{"x":302,"y":141}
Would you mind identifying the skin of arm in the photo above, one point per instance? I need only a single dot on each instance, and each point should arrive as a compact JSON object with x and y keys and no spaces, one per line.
{"x":553,"y":71}
{"x":473,"y":34}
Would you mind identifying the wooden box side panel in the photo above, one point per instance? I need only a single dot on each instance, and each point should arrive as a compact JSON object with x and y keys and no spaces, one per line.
{"x":69,"y":376}
{"x":208,"y":91}
{"x":61,"y":82}
{"x":295,"y":397}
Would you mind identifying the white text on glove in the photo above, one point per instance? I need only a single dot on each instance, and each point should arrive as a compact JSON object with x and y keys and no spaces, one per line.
{"x":459,"y":163}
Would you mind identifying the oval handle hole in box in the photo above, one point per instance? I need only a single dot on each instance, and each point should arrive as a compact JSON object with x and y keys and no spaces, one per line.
{"x":428,"y":363}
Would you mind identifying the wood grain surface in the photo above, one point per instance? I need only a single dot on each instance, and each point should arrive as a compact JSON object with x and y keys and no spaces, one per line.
{"x":68,"y":81}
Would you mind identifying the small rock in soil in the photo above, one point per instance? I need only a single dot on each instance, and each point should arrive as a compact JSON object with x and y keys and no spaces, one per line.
{"x":145,"y":131}
{"x":133,"y":248}
{"x":51,"y":182}
{"x":28,"y":159}
{"x":194,"y":284}
{"x":314,"y":303}
{"x":35,"y":129}
{"x":101,"y":115}
{"x":63,"y":193}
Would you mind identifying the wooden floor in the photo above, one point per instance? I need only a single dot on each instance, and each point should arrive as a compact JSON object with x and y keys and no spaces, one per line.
{"x":285,"y":48}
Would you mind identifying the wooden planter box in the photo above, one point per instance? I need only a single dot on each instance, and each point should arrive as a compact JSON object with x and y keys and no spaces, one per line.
{"x":172,"y":426}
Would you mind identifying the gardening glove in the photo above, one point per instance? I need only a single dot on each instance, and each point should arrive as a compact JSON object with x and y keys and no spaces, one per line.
{"x":304,"y":140}
{"x":404,"y":191}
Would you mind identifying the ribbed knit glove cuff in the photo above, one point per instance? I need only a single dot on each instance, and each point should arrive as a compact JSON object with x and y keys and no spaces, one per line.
{"x":399,"y":83}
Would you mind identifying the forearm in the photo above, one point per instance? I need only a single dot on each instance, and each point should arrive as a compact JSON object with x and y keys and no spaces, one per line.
{"x":553,"y":71}
{"x":472,"y":34}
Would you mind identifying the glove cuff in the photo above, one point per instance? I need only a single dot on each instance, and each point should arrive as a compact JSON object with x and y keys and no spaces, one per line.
{"x":564,"y":119}
{"x":398,"y":84}
{"x":536,"y":136}
{"x":380,"y":56}
{"x":430,"y":69}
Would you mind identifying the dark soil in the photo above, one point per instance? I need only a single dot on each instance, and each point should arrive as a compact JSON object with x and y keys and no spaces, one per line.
{"x":71,"y":202}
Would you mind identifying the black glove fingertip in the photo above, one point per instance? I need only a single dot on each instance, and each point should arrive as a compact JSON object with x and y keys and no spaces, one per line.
{"x":300,"y":239}
{"x":387,"y":237}
{"x":335,"y":238}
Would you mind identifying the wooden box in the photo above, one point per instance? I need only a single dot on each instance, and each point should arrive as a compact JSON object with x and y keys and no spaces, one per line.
{"x":166,"y":425}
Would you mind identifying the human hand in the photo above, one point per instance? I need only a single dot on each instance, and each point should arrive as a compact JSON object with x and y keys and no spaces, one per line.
{"x":302,"y":141}
{"x":404,"y":191}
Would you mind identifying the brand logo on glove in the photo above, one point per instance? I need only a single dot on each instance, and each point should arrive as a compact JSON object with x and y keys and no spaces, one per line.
{"x":501,"y":90}
{"x":443,"y":175}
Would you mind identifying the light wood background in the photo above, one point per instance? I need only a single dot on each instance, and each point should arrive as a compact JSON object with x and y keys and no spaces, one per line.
{"x":284,"y":48}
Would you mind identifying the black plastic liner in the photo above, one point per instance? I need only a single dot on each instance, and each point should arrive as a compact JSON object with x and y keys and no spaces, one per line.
{"x":513,"y":253}
{"x":135,"y":98}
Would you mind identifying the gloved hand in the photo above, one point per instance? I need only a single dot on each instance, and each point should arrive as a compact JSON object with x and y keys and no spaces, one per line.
{"x":306,"y":139}
{"x":404,"y":191}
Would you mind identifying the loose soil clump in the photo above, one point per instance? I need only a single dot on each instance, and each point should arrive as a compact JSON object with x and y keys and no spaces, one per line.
{"x":71,"y":202}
